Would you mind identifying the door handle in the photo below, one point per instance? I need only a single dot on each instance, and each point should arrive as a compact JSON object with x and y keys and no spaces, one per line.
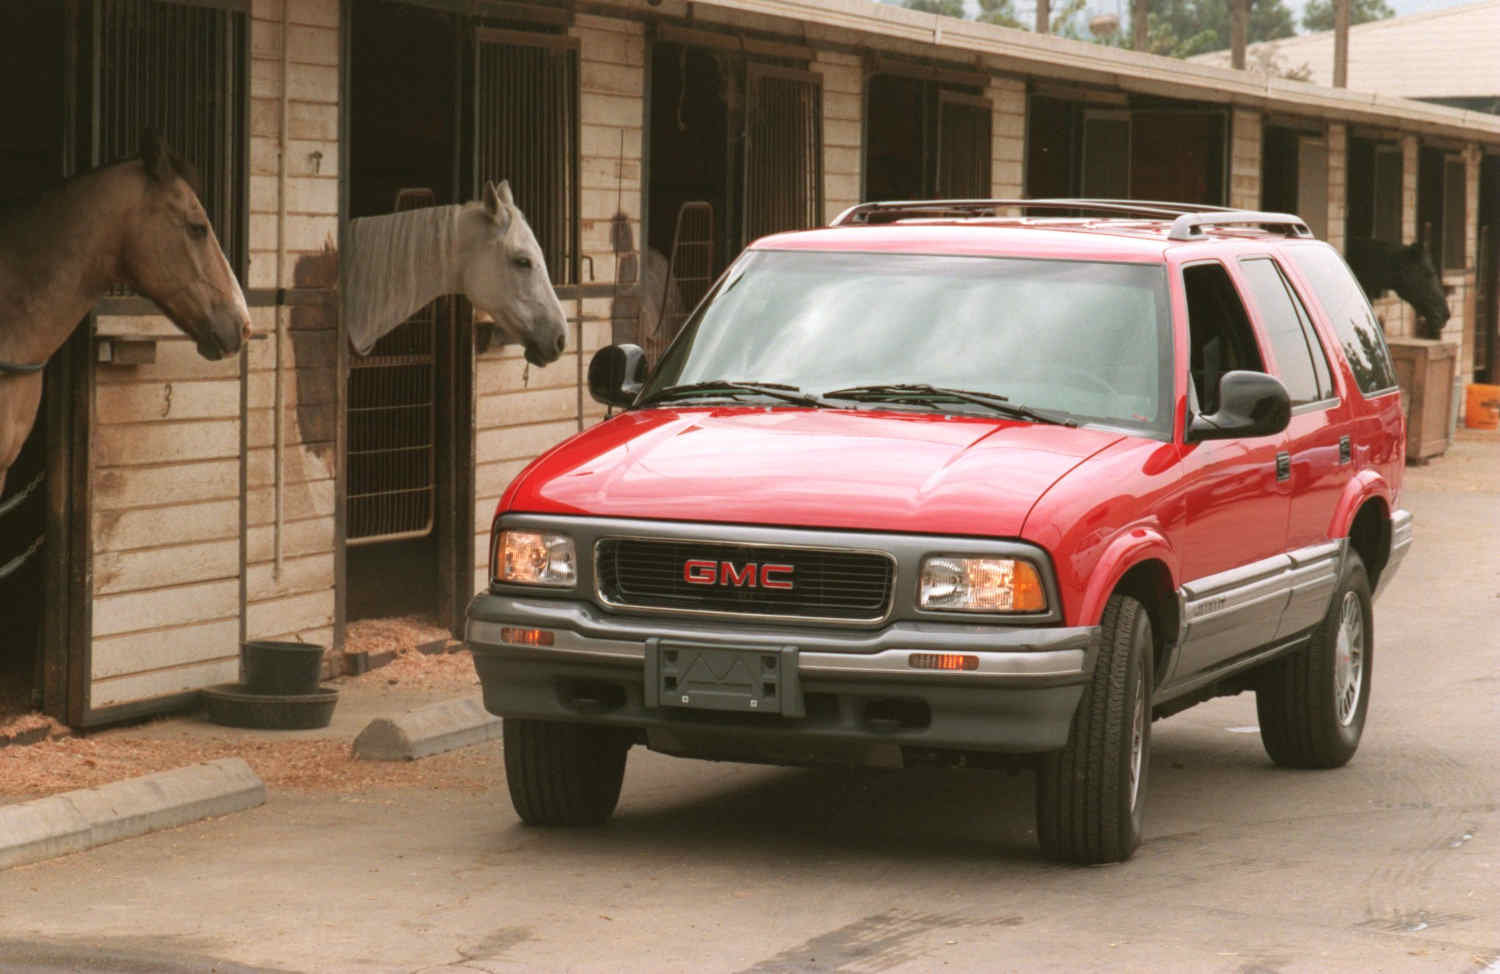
{"x":1345,"y":450}
{"x":1283,"y":466}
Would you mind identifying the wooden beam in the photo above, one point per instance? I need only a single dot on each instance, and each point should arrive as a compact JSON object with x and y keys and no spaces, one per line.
{"x":1341,"y":43}
{"x":1239,"y":32}
{"x":1043,"y":17}
{"x":1140,"y":24}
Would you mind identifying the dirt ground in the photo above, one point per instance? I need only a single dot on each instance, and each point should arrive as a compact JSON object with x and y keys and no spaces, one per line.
{"x":299,"y":761}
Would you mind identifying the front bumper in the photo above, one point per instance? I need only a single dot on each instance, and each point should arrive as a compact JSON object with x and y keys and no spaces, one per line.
{"x":859,"y":699}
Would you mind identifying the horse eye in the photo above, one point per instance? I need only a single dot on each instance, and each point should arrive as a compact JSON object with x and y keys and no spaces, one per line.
{"x":199,"y":230}
{"x":522,"y":262}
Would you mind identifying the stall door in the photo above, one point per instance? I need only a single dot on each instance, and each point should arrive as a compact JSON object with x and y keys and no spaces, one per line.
{"x":964,"y":146}
{"x":783,"y":150}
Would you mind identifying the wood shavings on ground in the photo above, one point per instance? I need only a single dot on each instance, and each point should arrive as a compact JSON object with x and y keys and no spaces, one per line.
{"x":321,"y":764}
{"x":412,"y":668}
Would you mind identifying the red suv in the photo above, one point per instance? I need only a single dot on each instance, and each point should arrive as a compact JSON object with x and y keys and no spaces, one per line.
{"x":941,"y":486}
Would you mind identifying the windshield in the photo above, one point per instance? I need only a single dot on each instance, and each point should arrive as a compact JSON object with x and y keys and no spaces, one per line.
{"x":1087,"y":339}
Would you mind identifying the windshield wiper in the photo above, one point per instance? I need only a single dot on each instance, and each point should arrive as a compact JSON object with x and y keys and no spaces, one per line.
{"x":726,"y":387}
{"x":927,"y":395}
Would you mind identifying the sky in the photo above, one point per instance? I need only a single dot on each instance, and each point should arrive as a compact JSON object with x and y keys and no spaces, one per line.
{"x":1027,"y":7}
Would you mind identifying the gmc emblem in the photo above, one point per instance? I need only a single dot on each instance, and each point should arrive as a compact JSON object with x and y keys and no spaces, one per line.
{"x":698,"y":571}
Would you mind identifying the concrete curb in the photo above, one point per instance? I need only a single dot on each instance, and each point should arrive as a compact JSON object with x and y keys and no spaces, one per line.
{"x":79,"y":820}
{"x":427,"y":730}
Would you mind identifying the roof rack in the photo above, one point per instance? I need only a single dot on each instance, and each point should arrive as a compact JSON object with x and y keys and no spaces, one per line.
{"x":1188,"y":219}
{"x":862,"y":213}
{"x":1190,"y":226}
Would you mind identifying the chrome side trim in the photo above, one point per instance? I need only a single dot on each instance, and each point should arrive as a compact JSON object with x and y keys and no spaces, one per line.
{"x":1401,"y":539}
{"x":897,"y":662}
{"x":773,"y":618}
{"x":1230,"y":613}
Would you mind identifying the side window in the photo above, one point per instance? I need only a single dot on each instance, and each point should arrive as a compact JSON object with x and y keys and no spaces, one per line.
{"x":1219,"y":335}
{"x":1298,"y":355}
{"x":1358,"y":332}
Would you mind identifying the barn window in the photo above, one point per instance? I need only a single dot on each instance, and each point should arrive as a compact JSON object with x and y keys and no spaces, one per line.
{"x":179,"y":68}
{"x":1442,"y":207}
{"x":926,"y":139}
{"x":526,"y":131}
{"x":1374,"y":190}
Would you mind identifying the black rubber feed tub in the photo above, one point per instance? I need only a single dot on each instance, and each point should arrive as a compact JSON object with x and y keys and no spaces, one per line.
{"x":272,"y":667}
{"x":233,"y":705}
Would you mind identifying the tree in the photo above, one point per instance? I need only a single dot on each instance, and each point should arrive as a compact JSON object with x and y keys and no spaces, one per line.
{"x":1318,"y":14}
{"x":948,"y":8}
{"x":1002,"y":12}
{"x":1182,"y":28}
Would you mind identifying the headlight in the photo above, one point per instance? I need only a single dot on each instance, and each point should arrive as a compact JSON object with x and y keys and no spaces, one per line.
{"x":981,"y":585}
{"x":533,"y":558}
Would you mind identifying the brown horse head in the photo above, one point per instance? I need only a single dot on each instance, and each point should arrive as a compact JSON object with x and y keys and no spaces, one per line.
{"x":171,"y":255}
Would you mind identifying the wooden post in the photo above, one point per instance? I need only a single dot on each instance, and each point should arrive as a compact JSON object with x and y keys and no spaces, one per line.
{"x":1140,"y":18}
{"x":1239,"y":30}
{"x":1043,"y":16}
{"x":1340,"y":43}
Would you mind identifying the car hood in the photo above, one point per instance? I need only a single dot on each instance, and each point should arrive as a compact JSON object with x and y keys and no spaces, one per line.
{"x":918,"y":473}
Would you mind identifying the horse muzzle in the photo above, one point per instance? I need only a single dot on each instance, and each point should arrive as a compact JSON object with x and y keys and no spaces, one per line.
{"x":546,"y":348}
{"x":222,"y":334}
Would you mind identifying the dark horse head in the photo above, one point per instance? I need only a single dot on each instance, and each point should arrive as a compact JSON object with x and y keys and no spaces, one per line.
{"x":1408,"y":271}
{"x":170,"y":255}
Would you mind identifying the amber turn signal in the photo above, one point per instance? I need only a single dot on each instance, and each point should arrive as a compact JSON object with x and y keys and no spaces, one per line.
{"x":943,"y":661}
{"x":526,"y":637}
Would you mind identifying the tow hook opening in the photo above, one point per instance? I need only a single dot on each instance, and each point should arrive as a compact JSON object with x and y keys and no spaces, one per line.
{"x":591,"y":696}
{"x":896,"y":714}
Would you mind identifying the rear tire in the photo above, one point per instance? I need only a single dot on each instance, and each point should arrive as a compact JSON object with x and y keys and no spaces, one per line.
{"x":563,"y":774}
{"x":1091,"y":795}
{"x":1312,"y":704}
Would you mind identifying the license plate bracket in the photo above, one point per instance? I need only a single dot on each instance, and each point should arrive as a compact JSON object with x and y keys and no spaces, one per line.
{"x":738,"y":679}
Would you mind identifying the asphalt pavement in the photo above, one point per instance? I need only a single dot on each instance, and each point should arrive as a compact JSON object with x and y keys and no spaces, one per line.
{"x":1389,"y":864}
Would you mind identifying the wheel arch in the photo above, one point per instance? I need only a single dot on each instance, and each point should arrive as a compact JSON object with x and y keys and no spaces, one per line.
{"x":1139,"y":563}
{"x":1363,"y":516}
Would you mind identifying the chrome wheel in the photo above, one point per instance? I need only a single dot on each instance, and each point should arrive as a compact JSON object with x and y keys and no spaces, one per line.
{"x":1137,"y":743}
{"x":1349,"y":659}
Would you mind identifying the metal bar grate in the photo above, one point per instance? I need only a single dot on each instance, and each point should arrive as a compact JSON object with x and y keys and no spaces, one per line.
{"x":964,"y":149}
{"x":783,"y":150}
{"x":393,"y":424}
{"x":689,"y":277}
{"x":526,"y":131}
{"x":162,"y":65}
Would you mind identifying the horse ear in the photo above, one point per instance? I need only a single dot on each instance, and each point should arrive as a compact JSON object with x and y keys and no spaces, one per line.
{"x":156,"y":156}
{"x":498,"y":203}
{"x":1415,"y":250}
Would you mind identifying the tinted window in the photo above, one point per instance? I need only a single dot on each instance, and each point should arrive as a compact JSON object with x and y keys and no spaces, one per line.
{"x":1285,"y":329}
{"x":1358,"y":332}
{"x":1219,"y":335}
{"x":1091,"y":339}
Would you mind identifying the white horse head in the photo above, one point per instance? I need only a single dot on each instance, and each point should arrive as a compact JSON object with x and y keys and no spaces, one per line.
{"x":504,"y":274}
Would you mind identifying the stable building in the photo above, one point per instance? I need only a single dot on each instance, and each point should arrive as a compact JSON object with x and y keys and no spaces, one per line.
{"x":184,"y":506}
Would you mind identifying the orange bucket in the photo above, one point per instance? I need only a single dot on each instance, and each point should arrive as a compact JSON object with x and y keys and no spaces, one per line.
{"x":1482,"y":406}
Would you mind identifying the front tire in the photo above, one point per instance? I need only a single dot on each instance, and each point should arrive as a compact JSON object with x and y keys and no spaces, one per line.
{"x":1312,"y":704}
{"x":1090,"y":796}
{"x":563,"y":774}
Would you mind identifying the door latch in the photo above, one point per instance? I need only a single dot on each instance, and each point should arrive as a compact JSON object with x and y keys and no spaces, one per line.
{"x":1345,"y":449}
{"x":1283,"y":466}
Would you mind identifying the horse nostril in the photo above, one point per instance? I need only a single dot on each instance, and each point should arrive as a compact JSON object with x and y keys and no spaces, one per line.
{"x":562,"y":342}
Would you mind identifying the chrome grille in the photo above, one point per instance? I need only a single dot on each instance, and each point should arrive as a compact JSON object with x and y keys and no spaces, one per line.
{"x":827,"y":584}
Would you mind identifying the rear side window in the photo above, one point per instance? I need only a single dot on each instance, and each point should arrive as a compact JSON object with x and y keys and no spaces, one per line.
{"x":1299,"y":357}
{"x":1219,"y":335}
{"x":1344,"y":303}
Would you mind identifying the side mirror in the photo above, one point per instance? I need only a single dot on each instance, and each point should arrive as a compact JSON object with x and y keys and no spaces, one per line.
{"x":616,"y":374}
{"x":1250,"y":404}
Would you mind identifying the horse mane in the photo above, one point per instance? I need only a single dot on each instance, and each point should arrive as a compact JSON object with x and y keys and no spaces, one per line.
{"x":394,"y":264}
